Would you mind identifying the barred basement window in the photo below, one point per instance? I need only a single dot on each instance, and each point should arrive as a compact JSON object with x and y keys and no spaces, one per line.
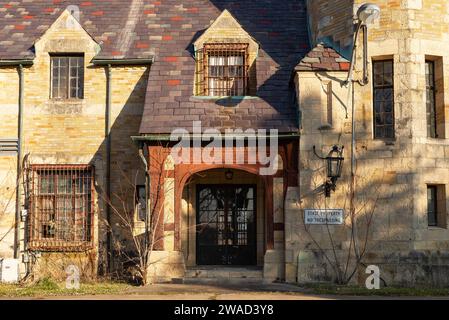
{"x":67,"y":77}
{"x":61,"y":207}
{"x":222,"y":69}
{"x":383,"y":99}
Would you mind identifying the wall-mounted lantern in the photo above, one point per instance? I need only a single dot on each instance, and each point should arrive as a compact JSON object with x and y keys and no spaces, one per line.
{"x":334,"y":164}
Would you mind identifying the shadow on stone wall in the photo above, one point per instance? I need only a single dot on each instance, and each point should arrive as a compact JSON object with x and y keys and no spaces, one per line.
{"x":386,"y":174}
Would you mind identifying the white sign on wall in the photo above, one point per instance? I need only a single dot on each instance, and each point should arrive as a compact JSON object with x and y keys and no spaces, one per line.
{"x":323,"y":216}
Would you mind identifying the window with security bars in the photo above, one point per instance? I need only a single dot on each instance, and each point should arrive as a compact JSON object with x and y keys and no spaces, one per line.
{"x":222,"y":70}
{"x":383,"y":93}
{"x":61,"y":207}
{"x":67,"y":77}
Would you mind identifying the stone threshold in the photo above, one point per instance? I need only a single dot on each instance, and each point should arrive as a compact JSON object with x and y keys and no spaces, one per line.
{"x":221,"y":274}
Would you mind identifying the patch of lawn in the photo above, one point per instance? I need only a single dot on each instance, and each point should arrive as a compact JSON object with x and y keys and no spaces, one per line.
{"x":385,"y":291}
{"x":48,"y":287}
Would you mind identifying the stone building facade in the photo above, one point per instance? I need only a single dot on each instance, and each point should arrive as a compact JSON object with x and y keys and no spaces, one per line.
{"x":215,"y":67}
{"x":398,"y":174}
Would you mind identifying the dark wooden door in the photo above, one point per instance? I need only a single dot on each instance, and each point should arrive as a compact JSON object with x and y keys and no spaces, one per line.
{"x":226,"y":225}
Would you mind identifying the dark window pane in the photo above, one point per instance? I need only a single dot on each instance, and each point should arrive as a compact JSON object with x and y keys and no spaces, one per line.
{"x":389,"y":132}
{"x":380,"y":132}
{"x":378,"y":119}
{"x":432,"y":205}
{"x":388,"y":94}
{"x":383,"y":97}
{"x":388,"y":66}
{"x":378,"y":95}
{"x":430,"y":103}
{"x":388,"y":79}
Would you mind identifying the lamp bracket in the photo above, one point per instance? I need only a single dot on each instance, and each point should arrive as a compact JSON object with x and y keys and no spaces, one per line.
{"x":316,"y":154}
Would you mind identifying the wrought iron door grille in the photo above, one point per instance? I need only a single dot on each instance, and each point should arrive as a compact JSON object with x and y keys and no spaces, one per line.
{"x":226,"y":219}
{"x":222,"y":69}
{"x":61,"y":207}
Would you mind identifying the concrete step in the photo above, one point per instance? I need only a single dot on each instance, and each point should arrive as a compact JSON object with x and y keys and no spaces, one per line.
{"x":218,"y":275}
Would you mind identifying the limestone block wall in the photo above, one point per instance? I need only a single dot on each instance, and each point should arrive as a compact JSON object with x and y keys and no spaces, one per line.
{"x":397,"y":173}
{"x":9,"y":96}
{"x":72,"y":131}
{"x":331,"y":22}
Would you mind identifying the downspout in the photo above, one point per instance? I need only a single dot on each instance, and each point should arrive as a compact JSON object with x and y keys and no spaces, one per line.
{"x":108,"y":63}
{"x":147,"y":193}
{"x":108,"y":166}
{"x":19,"y":164}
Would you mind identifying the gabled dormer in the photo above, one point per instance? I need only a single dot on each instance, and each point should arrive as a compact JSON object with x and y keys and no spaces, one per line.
{"x":64,"y":50}
{"x":225,"y":59}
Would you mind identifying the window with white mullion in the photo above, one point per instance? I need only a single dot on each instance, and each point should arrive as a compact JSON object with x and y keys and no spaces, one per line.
{"x":67,"y":77}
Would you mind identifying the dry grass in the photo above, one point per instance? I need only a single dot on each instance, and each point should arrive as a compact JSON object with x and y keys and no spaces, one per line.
{"x":48,"y":287}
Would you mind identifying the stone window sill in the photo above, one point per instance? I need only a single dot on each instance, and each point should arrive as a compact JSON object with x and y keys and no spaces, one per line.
{"x":326,"y":127}
{"x":66,"y":101}
{"x":436,"y":228}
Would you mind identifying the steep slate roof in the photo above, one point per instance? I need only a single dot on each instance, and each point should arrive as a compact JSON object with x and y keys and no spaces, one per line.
{"x":117,"y":25}
{"x":323,"y":58}
{"x":167,"y":29}
{"x":280,"y":27}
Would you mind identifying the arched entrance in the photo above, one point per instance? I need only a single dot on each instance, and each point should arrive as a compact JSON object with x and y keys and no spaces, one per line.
{"x":223,"y":219}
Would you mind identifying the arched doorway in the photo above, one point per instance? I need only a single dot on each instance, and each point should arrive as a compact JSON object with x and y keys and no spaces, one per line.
{"x":223,"y":219}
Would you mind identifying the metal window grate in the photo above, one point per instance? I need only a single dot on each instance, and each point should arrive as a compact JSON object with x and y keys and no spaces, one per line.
{"x":61,"y":215}
{"x":222,"y":69}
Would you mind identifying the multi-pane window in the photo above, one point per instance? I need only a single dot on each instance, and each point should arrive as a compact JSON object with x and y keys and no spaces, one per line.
{"x":61,"y":207}
{"x":223,"y":70}
{"x":430,"y":100}
{"x":436,"y":205}
{"x":67,"y":77}
{"x":383,"y":99}
{"x":432,"y":217}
